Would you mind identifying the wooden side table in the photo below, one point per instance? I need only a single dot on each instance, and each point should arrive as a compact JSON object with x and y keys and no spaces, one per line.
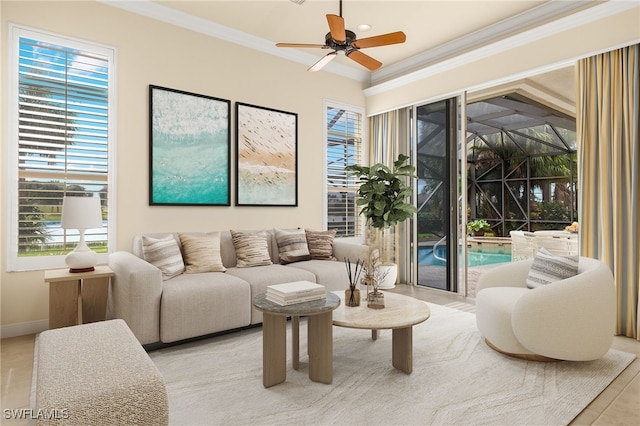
{"x":320,"y":338}
{"x":77,"y":298}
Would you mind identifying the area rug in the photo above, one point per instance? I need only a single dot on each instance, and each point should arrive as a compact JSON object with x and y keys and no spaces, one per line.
{"x":456,"y":379}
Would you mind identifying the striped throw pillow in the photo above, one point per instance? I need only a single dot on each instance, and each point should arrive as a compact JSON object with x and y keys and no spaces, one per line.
{"x":321,"y":244}
{"x":548,"y":268}
{"x":164,"y":254}
{"x":202,"y":253}
{"x":292,"y":246}
{"x":251,"y":249}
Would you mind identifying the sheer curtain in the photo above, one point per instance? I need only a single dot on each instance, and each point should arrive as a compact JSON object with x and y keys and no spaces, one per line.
{"x":608,"y":98}
{"x":389,"y":134}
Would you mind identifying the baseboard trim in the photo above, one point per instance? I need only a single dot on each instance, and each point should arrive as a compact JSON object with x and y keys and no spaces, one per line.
{"x":23,"y":328}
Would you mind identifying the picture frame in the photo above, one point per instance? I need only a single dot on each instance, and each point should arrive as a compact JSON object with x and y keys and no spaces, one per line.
{"x":266,"y":156}
{"x":189,"y":149}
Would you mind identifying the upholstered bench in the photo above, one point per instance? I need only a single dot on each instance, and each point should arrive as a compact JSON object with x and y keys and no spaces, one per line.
{"x":97,"y":373}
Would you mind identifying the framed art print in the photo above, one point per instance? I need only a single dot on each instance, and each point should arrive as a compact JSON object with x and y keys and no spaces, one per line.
{"x":266,"y":156}
{"x":189,"y":149}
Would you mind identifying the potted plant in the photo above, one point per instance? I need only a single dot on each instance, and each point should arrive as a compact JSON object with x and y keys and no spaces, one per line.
{"x":382,"y":194}
{"x":478,"y":227}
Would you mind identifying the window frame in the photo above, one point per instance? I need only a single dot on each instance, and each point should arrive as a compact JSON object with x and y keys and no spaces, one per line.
{"x":327,"y":103}
{"x":28,"y":263}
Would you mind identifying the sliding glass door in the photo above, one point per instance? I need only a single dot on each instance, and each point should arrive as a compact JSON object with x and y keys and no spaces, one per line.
{"x":436,"y":231}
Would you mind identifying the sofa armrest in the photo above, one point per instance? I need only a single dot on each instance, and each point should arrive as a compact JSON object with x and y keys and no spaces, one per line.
{"x":352,"y":250}
{"x":512,"y":274}
{"x":134,"y":296}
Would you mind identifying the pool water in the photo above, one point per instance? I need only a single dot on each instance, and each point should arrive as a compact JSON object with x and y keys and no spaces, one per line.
{"x":476,"y":256}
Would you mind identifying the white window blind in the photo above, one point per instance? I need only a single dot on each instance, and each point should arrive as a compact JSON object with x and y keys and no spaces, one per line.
{"x":344,"y":148}
{"x":63,"y":142}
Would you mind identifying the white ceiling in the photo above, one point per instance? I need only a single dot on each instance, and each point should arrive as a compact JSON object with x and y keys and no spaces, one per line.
{"x":435,"y":30}
{"x":427,"y":24}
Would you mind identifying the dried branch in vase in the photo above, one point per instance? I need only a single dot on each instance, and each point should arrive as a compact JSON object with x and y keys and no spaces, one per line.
{"x":373,"y":275}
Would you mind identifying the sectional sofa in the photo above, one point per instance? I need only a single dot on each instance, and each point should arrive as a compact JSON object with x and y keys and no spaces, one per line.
{"x":176,"y":286}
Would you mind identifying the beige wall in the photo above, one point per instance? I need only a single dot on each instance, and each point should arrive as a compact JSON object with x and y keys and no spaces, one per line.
{"x":150,"y":52}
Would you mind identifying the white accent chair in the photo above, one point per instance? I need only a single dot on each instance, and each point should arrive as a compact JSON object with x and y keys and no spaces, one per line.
{"x":571,"y":319}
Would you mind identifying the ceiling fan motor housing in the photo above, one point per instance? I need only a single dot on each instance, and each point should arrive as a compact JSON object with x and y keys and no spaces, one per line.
{"x":336,"y":45}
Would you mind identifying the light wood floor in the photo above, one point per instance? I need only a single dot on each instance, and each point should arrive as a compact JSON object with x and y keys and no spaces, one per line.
{"x":618,"y":404}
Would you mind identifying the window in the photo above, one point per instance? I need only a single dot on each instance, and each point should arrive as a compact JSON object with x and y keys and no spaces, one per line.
{"x":60,"y":143}
{"x":344,"y":148}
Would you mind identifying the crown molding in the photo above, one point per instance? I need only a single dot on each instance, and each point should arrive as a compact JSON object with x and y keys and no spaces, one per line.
{"x":566,"y":23}
{"x":171,"y":16}
{"x":476,"y":39}
{"x":469,"y":48}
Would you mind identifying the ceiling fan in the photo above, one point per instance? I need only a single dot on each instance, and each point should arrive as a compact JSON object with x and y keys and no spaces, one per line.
{"x":340,"y":39}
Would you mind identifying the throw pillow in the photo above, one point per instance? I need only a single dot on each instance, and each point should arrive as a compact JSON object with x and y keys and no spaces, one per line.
{"x":251,"y":249}
{"x":202,"y":253}
{"x":548,"y":268}
{"x":292,"y":246}
{"x":164,"y":254}
{"x":321,"y":244}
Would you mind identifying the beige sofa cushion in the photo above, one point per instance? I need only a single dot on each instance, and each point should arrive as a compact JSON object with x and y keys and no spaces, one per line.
{"x":292,"y":246}
{"x":252,"y":249}
{"x":202,"y":253}
{"x":198,"y":304}
{"x":321,"y":244}
{"x":164,"y":254}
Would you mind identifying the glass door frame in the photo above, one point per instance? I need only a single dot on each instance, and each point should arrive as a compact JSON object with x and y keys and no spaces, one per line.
{"x":458,"y":201}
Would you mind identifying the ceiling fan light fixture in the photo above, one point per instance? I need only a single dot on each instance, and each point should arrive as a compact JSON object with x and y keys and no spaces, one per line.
{"x":340,"y":39}
{"x":322,"y":62}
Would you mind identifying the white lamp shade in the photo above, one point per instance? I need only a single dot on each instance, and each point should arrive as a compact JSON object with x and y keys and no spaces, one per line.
{"x":81,"y":213}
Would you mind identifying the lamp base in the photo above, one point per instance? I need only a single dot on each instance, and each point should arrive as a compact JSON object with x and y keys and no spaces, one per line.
{"x":77,"y":270}
{"x":82,"y":259}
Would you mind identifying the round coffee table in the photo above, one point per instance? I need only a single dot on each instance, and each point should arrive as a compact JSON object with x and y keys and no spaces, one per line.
{"x":400,"y":314}
{"x":274,"y":336}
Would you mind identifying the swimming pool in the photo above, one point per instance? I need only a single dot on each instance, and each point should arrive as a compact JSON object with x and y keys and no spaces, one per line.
{"x":476,"y":255}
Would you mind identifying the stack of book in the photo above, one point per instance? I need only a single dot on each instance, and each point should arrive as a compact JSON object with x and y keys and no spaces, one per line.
{"x":295,"y":292}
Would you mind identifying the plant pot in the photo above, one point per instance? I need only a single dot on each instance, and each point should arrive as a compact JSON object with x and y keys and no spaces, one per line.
{"x":390,"y":277}
{"x":382,"y":239}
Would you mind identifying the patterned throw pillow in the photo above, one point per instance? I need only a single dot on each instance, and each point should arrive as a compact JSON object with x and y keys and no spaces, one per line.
{"x":321,"y":244}
{"x":251,"y":249}
{"x":548,"y":268}
{"x":164,"y":254}
{"x":202,"y":253}
{"x":292,"y":246}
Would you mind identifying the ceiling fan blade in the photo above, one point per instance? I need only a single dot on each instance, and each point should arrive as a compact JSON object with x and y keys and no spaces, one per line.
{"x":364,"y":60}
{"x":381,"y":40}
{"x":336,"y":27}
{"x":322,"y":62}
{"x":319,"y":46}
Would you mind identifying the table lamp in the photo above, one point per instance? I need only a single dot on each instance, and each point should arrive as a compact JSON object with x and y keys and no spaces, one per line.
{"x":81,"y":213}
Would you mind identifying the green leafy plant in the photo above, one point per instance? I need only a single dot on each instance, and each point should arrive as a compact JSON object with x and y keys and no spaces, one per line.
{"x":383,"y":192}
{"x":477,"y":225}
